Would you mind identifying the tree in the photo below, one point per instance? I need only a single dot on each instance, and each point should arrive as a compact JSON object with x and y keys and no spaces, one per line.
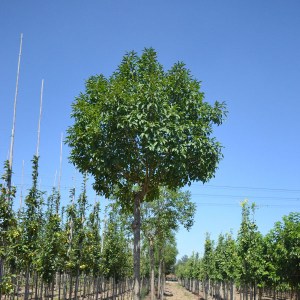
{"x":250,"y":250}
{"x":143,"y":128}
{"x":209,"y":271}
{"x":31,"y":224}
{"x":283,"y":250}
{"x":92,"y":244}
{"x":50,"y":258}
{"x":8,"y":224}
{"x":160,"y":219}
{"x":226,"y":263}
{"x":116,"y":255}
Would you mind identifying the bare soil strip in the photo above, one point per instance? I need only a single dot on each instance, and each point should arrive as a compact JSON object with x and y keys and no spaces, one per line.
{"x":178,"y":292}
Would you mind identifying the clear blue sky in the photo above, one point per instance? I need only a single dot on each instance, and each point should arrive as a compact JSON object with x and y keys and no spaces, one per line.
{"x":246,"y":53}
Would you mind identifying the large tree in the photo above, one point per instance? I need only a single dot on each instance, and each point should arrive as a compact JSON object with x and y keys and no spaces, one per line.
{"x":142,"y":128}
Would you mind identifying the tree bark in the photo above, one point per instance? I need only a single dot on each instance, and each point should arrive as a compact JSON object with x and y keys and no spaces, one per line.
{"x":162,"y":279}
{"x":159,"y":278}
{"x":26,"y":293}
{"x":151,"y":250}
{"x":136,"y":246}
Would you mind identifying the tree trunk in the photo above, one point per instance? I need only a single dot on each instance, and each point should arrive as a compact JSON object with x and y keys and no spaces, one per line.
{"x":76,"y":284}
{"x":152,"y":287}
{"x":1,"y":273}
{"x":234,"y":291}
{"x":26,"y":295}
{"x":163,"y":280}
{"x":159,"y":277}
{"x":71,"y":286}
{"x":136,"y":247}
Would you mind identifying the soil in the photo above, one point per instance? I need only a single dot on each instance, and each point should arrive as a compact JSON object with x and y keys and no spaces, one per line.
{"x":174,"y":291}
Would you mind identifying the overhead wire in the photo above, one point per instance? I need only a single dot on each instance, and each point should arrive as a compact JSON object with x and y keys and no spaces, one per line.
{"x":247,"y":187}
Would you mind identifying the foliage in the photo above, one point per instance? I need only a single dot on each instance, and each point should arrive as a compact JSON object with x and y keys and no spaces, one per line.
{"x":7,"y":216}
{"x":8,"y":231}
{"x":31,"y":220}
{"x":209,"y":259}
{"x":270,"y":261}
{"x":226,"y":258}
{"x":143,"y":127}
{"x":92,"y":243}
{"x":51,"y":242}
{"x":116,"y":256}
{"x":172,"y":209}
{"x":250,"y":248}
{"x":283,"y":250}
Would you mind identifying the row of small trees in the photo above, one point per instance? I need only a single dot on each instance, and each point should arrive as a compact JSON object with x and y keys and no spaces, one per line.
{"x":253,"y":263}
{"x":44,"y":245}
{"x":42,"y":240}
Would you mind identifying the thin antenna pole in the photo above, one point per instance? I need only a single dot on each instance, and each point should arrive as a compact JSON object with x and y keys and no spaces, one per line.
{"x":60,"y":162}
{"x":103,"y":233}
{"x":22,"y":182}
{"x":74,"y":187}
{"x":40,"y":117}
{"x":55,"y":175}
{"x":14,"y":115}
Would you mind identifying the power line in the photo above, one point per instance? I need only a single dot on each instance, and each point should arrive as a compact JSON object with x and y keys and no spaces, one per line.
{"x":238,"y":205}
{"x":252,"y":197}
{"x":248,"y":188}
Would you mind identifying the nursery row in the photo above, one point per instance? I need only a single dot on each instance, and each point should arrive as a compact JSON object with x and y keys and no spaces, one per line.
{"x":251,"y":264}
{"x":50,"y":251}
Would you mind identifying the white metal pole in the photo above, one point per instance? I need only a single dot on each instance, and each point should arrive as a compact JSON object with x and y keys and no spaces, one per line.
{"x":22,"y":183}
{"x":60,"y":162}
{"x":40,"y":117}
{"x":14,"y":114}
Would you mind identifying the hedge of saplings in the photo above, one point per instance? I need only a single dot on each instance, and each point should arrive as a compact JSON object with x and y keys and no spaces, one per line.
{"x":252,"y":264}
{"x":43,"y":241}
{"x":47,"y":250}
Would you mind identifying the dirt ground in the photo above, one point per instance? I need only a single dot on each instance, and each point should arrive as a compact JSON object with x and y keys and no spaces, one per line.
{"x":178,"y":292}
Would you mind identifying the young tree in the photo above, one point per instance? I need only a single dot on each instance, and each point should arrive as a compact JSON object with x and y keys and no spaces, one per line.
{"x":31,"y":225}
{"x":92,"y":244}
{"x":250,"y":250}
{"x":116,"y":254}
{"x":50,"y":258}
{"x":76,"y":232}
{"x":143,"y":128}
{"x":209,"y":270}
{"x":7,"y":227}
{"x":162,"y":216}
{"x":226,"y":261}
{"x":283,"y":245}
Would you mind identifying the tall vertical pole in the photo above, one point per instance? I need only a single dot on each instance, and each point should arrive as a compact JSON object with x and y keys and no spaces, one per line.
{"x":40,"y":117}
{"x":54,"y":182}
{"x":14,"y":117}
{"x":60,"y":162}
{"x":22,"y":182}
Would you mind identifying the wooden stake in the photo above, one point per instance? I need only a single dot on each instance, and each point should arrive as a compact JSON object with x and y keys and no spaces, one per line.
{"x":40,"y":117}
{"x":12,"y":140}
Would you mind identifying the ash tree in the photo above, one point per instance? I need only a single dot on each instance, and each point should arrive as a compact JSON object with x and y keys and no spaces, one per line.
{"x":142,"y":128}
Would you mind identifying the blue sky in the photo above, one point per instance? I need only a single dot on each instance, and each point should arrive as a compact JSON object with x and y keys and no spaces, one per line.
{"x":246,"y":53}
